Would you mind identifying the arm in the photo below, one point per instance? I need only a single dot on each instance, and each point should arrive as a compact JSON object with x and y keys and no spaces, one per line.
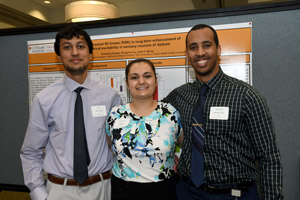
{"x":32,"y":152}
{"x":108,"y":122}
{"x":179,"y":142}
{"x":108,"y":139}
{"x":262,"y":136}
{"x":180,"y":129}
{"x":180,"y":139}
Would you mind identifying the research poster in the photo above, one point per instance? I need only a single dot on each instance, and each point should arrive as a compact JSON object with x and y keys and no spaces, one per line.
{"x":165,"y":48}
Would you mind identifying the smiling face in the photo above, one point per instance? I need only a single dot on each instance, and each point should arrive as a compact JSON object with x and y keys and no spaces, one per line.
{"x":203,"y":53}
{"x":75,"y":56}
{"x":141,"y":81}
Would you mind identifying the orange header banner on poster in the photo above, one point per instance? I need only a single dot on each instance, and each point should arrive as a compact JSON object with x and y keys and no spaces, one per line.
{"x":168,"y":62}
{"x":42,"y":58}
{"x":167,"y":45}
{"x":46,"y":68}
{"x":107,"y":65}
{"x":92,"y":66}
{"x":234,"y":59}
{"x":235,"y":40}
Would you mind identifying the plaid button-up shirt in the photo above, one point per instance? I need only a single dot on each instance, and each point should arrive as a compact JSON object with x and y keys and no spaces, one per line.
{"x":233,"y":147}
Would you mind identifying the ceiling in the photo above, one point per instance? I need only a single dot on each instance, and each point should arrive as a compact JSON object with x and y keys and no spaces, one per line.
{"x":26,"y":13}
{"x":58,"y":4}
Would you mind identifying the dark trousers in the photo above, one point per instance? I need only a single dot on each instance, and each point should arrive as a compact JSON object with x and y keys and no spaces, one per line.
{"x":163,"y":190}
{"x":187,"y":191}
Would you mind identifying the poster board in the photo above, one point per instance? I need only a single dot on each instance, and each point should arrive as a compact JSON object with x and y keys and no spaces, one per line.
{"x":165,"y":48}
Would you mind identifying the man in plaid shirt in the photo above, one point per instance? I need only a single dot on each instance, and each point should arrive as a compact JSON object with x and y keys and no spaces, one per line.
{"x":239,"y":132}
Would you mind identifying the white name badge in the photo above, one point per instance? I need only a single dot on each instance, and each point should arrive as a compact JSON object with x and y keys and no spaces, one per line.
{"x":236,"y":193}
{"x":122,"y":122}
{"x":220,"y":113}
{"x":99,"y":111}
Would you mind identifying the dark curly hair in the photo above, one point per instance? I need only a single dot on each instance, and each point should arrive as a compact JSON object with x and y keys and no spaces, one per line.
{"x":68,"y":33}
{"x":202,"y":26}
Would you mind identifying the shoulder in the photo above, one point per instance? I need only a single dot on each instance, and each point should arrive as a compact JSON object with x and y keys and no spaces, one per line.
{"x":231,"y":82}
{"x":168,"y":106}
{"x":248,"y":91}
{"x":120,"y":109}
{"x":234,"y":82}
{"x":101,"y":87}
{"x":106,"y":92}
{"x":57,"y":85}
{"x":51,"y":92}
{"x":168,"y":110}
{"x":182,"y":90}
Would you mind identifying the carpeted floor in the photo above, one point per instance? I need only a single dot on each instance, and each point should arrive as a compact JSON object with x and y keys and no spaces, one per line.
{"x":9,"y":195}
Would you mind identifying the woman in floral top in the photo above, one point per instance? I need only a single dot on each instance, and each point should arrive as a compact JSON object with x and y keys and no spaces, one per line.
{"x":143,"y":135}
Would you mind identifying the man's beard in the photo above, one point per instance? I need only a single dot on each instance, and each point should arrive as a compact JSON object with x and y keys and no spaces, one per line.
{"x":77,"y":71}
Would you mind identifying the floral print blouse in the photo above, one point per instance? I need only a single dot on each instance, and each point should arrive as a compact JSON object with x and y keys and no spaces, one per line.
{"x":143,"y":147}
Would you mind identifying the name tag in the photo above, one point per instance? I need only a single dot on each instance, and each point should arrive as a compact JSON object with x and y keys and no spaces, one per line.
{"x":236,"y":193}
{"x":220,"y":113}
{"x":99,"y":111}
{"x":121,"y":123}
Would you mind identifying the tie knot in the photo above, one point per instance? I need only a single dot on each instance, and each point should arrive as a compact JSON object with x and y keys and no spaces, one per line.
{"x":78,"y":90}
{"x":203,"y":88}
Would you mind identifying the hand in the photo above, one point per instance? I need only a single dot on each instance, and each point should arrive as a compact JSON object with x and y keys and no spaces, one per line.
{"x":176,"y":163}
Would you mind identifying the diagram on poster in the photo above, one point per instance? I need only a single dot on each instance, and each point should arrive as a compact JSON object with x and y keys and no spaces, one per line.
{"x":113,"y":78}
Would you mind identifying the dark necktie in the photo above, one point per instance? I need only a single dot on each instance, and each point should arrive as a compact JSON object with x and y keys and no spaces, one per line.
{"x":81,"y":154}
{"x":198,"y":140}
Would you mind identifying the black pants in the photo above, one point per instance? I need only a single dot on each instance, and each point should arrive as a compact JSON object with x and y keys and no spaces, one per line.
{"x":187,"y":191}
{"x":163,"y":190}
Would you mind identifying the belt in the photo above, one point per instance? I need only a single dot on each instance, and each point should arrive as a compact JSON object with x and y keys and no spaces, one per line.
{"x":72,"y":182}
{"x":221,"y":188}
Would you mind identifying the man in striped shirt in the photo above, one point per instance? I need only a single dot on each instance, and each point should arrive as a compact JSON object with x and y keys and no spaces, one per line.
{"x":239,"y":133}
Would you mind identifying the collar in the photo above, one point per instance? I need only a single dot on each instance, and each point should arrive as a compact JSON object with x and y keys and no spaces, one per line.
{"x":212,"y":83}
{"x":72,"y":85}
